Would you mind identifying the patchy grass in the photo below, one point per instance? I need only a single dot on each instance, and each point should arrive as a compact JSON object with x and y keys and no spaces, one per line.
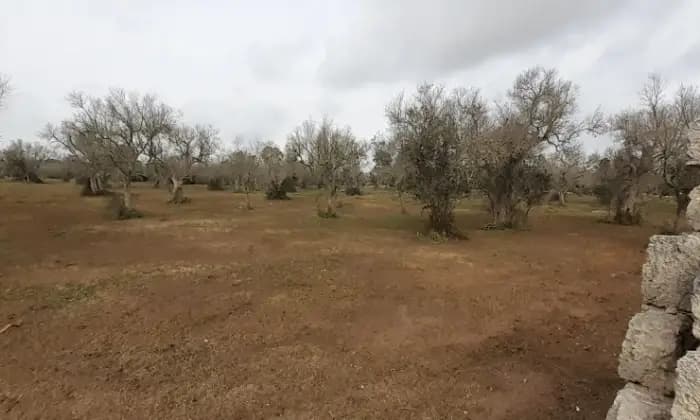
{"x":212,"y":311}
{"x":48,"y":296}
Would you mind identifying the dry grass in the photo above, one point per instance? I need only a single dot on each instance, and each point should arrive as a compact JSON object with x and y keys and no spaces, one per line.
{"x":211,"y":311}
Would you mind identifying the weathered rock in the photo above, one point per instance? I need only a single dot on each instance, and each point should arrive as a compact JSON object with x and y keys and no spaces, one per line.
{"x":667,"y":276}
{"x":695,"y":304}
{"x":634,"y":402}
{"x":652,"y":345}
{"x":694,"y":145}
{"x":692,"y":212}
{"x":686,"y":406}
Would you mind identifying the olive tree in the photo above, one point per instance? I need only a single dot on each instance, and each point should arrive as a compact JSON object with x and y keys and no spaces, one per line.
{"x":21,"y":160}
{"x":652,"y":140}
{"x":244,"y":169}
{"x":186,"y":147}
{"x":567,"y":165}
{"x":274,"y":167}
{"x":84,"y":150}
{"x":352,"y":176}
{"x":667,"y":124}
{"x":540,"y":112}
{"x":433,"y":128}
{"x":628,"y":164}
{"x":390,"y":166}
{"x":122,"y":127}
{"x":383,"y":152}
{"x":325,"y":150}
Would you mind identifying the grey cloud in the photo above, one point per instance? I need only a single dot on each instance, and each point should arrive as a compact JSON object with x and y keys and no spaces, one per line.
{"x":258,"y":68}
{"x":276,"y":62}
{"x":417,"y":39}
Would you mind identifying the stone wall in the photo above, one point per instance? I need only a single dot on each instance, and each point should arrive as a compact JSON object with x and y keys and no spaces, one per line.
{"x":660,"y":359}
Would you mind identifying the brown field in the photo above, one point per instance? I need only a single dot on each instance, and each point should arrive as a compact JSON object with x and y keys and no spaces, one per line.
{"x":210,"y":311}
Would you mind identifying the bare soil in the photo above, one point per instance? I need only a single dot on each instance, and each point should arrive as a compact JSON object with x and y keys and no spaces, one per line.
{"x":208,"y":310}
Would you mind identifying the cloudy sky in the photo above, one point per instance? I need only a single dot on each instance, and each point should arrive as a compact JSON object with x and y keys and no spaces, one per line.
{"x":258,"y":68}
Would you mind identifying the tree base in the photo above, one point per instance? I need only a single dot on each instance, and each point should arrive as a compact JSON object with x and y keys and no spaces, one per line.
{"x":119,"y":211}
{"x":30,"y":178}
{"x":86,"y":191}
{"x":326,"y":214}
{"x":442,"y":236}
{"x":216,"y":184}
{"x":353,"y":191}
{"x":178,"y":196}
{"x":628,"y":219}
{"x":276,"y":192}
{"x":180,"y":200}
{"x":127,"y":214}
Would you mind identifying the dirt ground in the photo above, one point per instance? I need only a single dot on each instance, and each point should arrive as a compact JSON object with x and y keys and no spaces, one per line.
{"x":210,"y":311}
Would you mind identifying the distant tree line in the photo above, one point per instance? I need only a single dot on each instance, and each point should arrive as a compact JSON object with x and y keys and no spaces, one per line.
{"x":440,"y":146}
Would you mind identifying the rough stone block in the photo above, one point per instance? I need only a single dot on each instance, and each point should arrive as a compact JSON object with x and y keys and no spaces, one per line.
{"x":695,"y":304}
{"x":667,"y":276}
{"x":634,"y":402}
{"x":651,"y":347}
{"x":692,"y":213}
{"x":686,"y":405}
{"x":694,"y":145}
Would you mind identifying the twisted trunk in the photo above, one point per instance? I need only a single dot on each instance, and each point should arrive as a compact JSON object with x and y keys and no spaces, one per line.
{"x":94,"y":185}
{"x":562,"y":198}
{"x":330,"y":204}
{"x":331,"y":199}
{"x":627,"y":206}
{"x":502,"y":211}
{"x":177,"y":195}
{"x":126,"y":195}
{"x":401,"y":202}
{"x":441,"y":219}
{"x":248,"y":205}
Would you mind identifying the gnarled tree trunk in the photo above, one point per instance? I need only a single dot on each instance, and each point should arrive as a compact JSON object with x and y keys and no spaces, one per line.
{"x":121,"y":205}
{"x":627,"y":210}
{"x":441,"y":218}
{"x":401,"y":202}
{"x":248,"y":205}
{"x":95,"y":182}
{"x":93,"y":185}
{"x":502,"y":211}
{"x":562,"y":197}
{"x":330,"y":205}
{"x":126,"y":196}
{"x":177,"y":195}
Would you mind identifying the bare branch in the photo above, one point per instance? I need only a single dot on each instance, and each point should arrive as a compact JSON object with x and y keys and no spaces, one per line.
{"x":5,"y":89}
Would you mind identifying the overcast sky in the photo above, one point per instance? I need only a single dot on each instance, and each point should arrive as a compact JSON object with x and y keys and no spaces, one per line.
{"x":258,"y":68}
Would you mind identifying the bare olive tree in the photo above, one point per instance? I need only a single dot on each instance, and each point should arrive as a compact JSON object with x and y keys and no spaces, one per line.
{"x":186,"y":147}
{"x":383,"y":152}
{"x":540,"y":113}
{"x":567,"y":165}
{"x":352,"y":176}
{"x":653,"y":140}
{"x":325,"y":150}
{"x":275,"y":171}
{"x":85,"y":150}
{"x":21,"y":160}
{"x":390,"y":166}
{"x":668,"y":123}
{"x":433,"y":129}
{"x":123,"y":126}
{"x":628,"y":164}
{"x":244,"y":168}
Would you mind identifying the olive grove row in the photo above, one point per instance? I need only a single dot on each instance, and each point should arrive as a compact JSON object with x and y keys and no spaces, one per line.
{"x":440,"y":145}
